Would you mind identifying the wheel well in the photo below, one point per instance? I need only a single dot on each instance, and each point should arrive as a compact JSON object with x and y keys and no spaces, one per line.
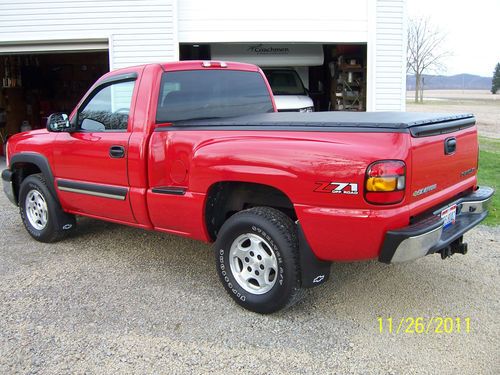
{"x":226,"y":198}
{"x":21,"y":171}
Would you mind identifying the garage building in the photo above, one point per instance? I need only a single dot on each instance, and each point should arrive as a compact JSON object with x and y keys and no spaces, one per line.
{"x":348,"y":55}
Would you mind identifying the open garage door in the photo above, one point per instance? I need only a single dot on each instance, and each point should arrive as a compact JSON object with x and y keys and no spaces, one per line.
{"x":88,"y":45}
{"x":303,"y":76}
{"x":36,"y":83}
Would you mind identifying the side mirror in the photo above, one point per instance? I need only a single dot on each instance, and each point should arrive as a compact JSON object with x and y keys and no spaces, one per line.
{"x":58,"y":122}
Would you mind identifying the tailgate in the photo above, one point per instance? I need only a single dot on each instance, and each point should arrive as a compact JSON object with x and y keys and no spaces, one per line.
{"x":444,"y":159}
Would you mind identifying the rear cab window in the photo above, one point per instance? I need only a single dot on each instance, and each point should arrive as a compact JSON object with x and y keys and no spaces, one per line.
{"x":208,"y":94}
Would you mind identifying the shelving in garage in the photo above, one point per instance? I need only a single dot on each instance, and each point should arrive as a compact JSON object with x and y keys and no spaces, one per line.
{"x":350,"y":85}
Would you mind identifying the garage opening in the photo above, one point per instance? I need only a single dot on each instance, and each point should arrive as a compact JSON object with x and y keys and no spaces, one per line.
{"x":304,"y":77}
{"x":35,"y":85}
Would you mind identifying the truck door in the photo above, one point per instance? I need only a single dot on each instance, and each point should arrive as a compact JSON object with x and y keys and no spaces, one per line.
{"x":91,"y":175}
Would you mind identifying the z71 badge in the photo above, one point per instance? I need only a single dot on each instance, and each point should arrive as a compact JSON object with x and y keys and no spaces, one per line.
{"x":336,"y":187}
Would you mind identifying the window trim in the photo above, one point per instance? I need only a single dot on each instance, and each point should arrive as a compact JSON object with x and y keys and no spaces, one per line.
{"x":101,"y":85}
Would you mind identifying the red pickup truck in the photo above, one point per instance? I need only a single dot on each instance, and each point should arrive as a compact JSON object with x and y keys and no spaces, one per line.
{"x":196,"y":149}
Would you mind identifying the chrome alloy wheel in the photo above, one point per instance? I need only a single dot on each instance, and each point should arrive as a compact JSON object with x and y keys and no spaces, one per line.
{"x":36,"y":209}
{"x":253,"y":263}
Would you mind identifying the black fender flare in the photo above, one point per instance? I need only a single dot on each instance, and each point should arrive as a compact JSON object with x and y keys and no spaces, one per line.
{"x":41,"y":162}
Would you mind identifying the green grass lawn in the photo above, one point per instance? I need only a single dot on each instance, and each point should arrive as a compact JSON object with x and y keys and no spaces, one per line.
{"x":489,"y":172}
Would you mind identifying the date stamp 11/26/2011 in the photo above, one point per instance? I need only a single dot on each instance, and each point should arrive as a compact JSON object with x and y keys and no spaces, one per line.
{"x":424,"y":325}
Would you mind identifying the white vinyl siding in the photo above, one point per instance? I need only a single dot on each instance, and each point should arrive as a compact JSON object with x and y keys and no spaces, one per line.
{"x":136,"y":31}
{"x":390,"y":56}
{"x":229,"y":21}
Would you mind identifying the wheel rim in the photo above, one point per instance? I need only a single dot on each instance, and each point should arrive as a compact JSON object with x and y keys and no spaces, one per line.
{"x":253,"y":263}
{"x":36,"y":209}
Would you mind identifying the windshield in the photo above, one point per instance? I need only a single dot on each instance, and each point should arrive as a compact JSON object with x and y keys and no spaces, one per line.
{"x":285,"y":82}
{"x":202,"y":94}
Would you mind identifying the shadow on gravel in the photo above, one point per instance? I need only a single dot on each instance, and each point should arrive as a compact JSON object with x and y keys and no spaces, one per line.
{"x":168,"y":257}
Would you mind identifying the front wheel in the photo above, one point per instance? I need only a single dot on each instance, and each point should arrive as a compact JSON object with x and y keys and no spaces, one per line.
{"x":257,"y":259}
{"x":42,"y":215}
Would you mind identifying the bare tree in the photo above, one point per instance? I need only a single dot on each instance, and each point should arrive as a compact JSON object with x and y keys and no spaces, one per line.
{"x":424,"y":51}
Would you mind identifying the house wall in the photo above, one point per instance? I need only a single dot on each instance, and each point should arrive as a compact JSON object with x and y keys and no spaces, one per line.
{"x":135,"y":31}
{"x":321,"y":21}
{"x":389,"y":60}
{"x":143,"y":31}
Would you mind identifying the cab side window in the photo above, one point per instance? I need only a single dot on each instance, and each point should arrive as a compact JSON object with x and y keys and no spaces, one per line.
{"x":108,"y":109}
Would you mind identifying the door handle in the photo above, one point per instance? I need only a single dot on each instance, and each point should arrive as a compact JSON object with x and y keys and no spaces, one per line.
{"x":117,"y":151}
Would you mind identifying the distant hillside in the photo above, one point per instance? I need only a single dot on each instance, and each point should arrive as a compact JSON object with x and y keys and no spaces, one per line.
{"x":456,"y":82}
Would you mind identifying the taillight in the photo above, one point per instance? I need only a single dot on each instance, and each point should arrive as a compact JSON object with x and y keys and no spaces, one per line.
{"x":385,"y":182}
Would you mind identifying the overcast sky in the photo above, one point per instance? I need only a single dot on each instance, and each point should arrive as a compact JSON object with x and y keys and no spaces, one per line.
{"x":473,"y":32}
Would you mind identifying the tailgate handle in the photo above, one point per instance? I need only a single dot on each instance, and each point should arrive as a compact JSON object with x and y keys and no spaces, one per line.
{"x":450,"y":145}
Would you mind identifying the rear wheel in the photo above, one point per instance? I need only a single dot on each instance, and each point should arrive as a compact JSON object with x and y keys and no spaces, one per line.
{"x":42,"y":215}
{"x":257,"y":259}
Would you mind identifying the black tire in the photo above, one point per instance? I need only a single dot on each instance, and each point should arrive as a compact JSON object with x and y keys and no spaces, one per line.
{"x":278,"y":232}
{"x":56,"y":223}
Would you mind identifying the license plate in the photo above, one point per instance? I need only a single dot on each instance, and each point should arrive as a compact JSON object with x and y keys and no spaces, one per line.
{"x":449,"y":215}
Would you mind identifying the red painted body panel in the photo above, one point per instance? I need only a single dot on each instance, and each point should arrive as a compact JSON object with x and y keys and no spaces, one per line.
{"x":337,"y":226}
{"x":265,"y":158}
{"x":179,"y":214}
{"x":428,"y":157}
{"x":346,"y":234}
{"x":104,"y":208}
{"x":35,"y":141}
{"x":85,"y":156}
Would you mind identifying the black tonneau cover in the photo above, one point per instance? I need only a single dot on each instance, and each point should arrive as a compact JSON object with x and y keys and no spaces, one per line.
{"x":418,"y":123}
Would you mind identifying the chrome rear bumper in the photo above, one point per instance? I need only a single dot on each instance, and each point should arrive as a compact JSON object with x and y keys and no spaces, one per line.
{"x":429,"y":236}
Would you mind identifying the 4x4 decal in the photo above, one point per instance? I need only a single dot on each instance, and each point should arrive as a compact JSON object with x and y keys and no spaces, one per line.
{"x":336,"y":187}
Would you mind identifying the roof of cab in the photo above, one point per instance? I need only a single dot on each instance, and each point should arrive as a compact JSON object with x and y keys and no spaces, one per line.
{"x":207,"y":64}
{"x":182,"y":65}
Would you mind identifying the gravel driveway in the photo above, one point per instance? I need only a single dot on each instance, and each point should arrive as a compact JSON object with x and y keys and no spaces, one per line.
{"x":114,"y":299}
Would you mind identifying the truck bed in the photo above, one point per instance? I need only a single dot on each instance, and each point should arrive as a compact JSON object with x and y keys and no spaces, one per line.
{"x":417,"y":123}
